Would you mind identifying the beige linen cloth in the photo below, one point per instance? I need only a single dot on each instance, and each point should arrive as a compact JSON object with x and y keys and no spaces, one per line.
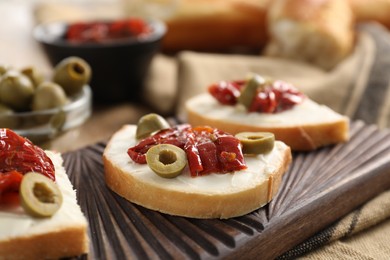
{"x":358,"y":87}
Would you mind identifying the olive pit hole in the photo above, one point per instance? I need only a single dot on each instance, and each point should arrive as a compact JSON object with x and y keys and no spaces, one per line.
{"x":254,"y":137}
{"x":43,"y":193}
{"x":78,"y":68}
{"x":167,"y":157}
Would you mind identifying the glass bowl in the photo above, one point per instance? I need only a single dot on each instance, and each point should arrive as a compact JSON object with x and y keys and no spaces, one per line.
{"x":42,"y":126}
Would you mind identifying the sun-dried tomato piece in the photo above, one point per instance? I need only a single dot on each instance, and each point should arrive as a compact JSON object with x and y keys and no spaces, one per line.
{"x":226,"y":92}
{"x":275,"y":97}
{"x":100,"y":31}
{"x":208,"y":150}
{"x":20,"y":154}
{"x":9,"y":188}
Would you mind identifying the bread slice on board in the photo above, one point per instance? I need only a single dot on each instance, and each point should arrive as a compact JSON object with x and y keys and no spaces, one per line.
{"x":211,"y":196}
{"x":62,"y":235}
{"x":305,"y":127}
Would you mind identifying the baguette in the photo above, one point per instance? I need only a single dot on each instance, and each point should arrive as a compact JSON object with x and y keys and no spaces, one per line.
{"x":305,"y":127}
{"x":319,"y":32}
{"x":211,"y":196}
{"x":62,"y":235}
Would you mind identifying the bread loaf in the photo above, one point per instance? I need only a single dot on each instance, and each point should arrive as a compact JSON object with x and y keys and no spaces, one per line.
{"x":216,"y":25}
{"x":210,"y":196}
{"x":305,"y":127}
{"x":62,"y":235}
{"x":319,"y":32}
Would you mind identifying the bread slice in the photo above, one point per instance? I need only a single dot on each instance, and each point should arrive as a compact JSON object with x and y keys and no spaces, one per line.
{"x":62,"y":235}
{"x":305,"y":127}
{"x":211,"y":196}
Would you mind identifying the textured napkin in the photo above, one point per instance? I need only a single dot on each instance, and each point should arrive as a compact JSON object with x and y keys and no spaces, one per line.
{"x":358,"y":87}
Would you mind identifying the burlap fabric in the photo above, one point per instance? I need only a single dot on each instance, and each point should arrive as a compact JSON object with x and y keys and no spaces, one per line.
{"x":358,"y":87}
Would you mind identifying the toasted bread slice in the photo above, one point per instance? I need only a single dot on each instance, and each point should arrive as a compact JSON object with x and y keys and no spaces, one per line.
{"x":305,"y":127}
{"x":211,"y":196}
{"x":62,"y":235}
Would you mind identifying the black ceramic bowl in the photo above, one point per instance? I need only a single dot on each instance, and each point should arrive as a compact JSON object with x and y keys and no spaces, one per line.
{"x":118,"y":67}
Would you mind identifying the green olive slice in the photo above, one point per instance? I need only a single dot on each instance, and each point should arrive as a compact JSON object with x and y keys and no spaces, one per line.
{"x":256,"y":142}
{"x":149,"y":124}
{"x":249,"y":91}
{"x":39,"y":196}
{"x":166,"y":160}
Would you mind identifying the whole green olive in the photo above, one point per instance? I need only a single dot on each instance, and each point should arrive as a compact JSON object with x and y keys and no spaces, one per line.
{"x":166,"y":160}
{"x":33,"y":74}
{"x":4,"y":109}
{"x":48,"y":95}
{"x":16,"y":90}
{"x":249,"y":91}
{"x":39,"y":196}
{"x":256,"y":142}
{"x":72,"y":74}
{"x":150,"y":123}
{"x":4,"y":68}
{"x":7,"y":120}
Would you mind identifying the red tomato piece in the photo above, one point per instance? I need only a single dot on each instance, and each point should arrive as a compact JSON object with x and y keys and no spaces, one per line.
{"x":226,"y":92}
{"x":230,"y":154}
{"x":102,"y":31}
{"x":208,"y":157}
{"x":276,"y":97}
{"x":264,"y":102}
{"x":9,"y":188}
{"x":20,"y":154}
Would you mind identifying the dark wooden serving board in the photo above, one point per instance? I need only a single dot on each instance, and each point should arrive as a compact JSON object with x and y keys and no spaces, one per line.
{"x":319,"y":188}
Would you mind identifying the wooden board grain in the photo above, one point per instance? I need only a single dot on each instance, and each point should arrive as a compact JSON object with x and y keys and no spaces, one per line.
{"x":318,"y":189}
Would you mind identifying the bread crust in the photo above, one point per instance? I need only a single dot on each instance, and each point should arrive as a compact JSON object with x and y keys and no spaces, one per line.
{"x":191,"y":204}
{"x":216,"y":25}
{"x":53,"y":245}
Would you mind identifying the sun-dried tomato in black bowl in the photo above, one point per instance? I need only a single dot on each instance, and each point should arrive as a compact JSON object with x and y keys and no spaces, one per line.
{"x":106,"y":31}
{"x":119,"y":52}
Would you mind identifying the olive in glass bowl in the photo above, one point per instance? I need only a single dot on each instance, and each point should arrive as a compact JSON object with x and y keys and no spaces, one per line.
{"x":43,"y":125}
{"x":41,"y":108}
{"x":119,"y":52}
